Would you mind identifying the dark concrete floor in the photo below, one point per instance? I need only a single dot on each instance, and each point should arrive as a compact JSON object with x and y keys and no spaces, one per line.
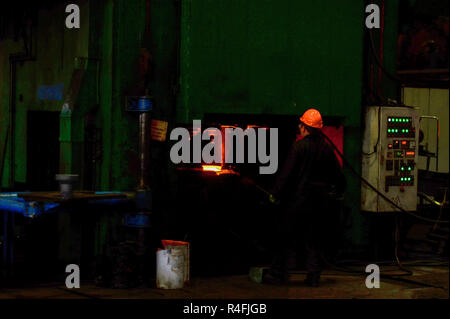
{"x":426,"y":282}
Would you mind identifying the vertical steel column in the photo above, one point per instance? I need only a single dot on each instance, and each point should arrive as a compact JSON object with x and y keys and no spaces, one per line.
{"x":143,"y":150}
{"x":11,"y":240}
{"x":5,"y":237}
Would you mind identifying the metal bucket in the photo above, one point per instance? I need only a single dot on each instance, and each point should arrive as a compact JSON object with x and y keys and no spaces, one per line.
{"x":170,"y":268}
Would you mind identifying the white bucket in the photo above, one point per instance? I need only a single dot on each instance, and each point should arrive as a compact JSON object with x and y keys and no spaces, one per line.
{"x":170,"y":268}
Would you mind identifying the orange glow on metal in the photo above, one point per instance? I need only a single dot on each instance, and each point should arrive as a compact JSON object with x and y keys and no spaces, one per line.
{"x":212,"y":168}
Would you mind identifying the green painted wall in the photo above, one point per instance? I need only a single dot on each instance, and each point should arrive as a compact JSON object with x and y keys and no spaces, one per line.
{"x":110,"y":38}
{"x":254,"y":56}
{"x":271,"y":57}
{"x":56,"y":50}
{"x":278,"y":57}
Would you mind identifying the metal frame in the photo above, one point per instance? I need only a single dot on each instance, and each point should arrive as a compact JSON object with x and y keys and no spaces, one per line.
{"x":432,"y":117}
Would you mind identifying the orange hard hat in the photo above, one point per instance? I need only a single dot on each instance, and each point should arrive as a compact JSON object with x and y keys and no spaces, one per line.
{"x":312,"y":118}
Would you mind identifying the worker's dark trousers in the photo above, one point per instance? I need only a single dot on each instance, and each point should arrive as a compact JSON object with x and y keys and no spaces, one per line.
{"x":302,"y":221}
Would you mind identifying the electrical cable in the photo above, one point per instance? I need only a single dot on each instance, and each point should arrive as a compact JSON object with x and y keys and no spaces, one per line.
{"x":396,"y":241}
{"x":376,"y":190}
{"x":399,"y":264}
{"x":396,"y":277}
{"x":377,"y":59}
{"x":425,"y":263}
{"x":441,"y":208}
{"x":380,"y":64}
{"x":378,"y":138}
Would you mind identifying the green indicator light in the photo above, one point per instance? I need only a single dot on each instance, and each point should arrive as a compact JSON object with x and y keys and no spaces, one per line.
{"x":402,"y":168}
{"x":409,"y":178}
{"x":407,"y":131}
{"x":409,"y":168}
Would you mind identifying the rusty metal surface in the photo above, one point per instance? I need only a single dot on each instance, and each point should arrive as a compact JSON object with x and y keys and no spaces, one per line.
{"x":77,"y":195}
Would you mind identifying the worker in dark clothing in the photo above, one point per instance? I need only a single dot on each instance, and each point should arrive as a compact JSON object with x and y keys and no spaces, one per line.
{"x":309,"y":177}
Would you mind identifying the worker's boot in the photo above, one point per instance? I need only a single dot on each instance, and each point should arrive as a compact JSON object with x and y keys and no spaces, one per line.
{"x":312,"y":279}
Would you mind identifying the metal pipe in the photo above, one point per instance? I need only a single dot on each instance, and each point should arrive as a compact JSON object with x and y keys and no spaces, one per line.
{"x":12,"y":111}
{"x":5,"y":237}
{"x":11,"y":240}
{"x":13,"y":60}
{"x":143,"y":150}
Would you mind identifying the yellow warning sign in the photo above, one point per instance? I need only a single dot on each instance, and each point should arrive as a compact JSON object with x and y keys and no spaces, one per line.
{"x":159,"y":130}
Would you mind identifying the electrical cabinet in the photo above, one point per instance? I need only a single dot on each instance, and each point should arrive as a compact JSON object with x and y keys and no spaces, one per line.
{"x":389,"y":158}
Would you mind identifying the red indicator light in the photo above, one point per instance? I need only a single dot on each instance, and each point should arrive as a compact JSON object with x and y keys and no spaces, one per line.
{"x":403,"y":142}
{"x":410,"y":153}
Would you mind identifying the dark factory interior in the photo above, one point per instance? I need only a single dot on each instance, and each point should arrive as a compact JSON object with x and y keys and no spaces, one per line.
{"x":227,"y":149}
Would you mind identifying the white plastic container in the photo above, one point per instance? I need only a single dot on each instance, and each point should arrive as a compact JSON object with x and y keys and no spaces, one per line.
{"x":170,"y":268}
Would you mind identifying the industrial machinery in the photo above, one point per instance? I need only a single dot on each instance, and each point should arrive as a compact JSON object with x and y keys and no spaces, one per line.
{"x":390,"y":156}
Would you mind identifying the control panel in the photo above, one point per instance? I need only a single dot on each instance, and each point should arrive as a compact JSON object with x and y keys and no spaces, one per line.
{"x":390,"y":154}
